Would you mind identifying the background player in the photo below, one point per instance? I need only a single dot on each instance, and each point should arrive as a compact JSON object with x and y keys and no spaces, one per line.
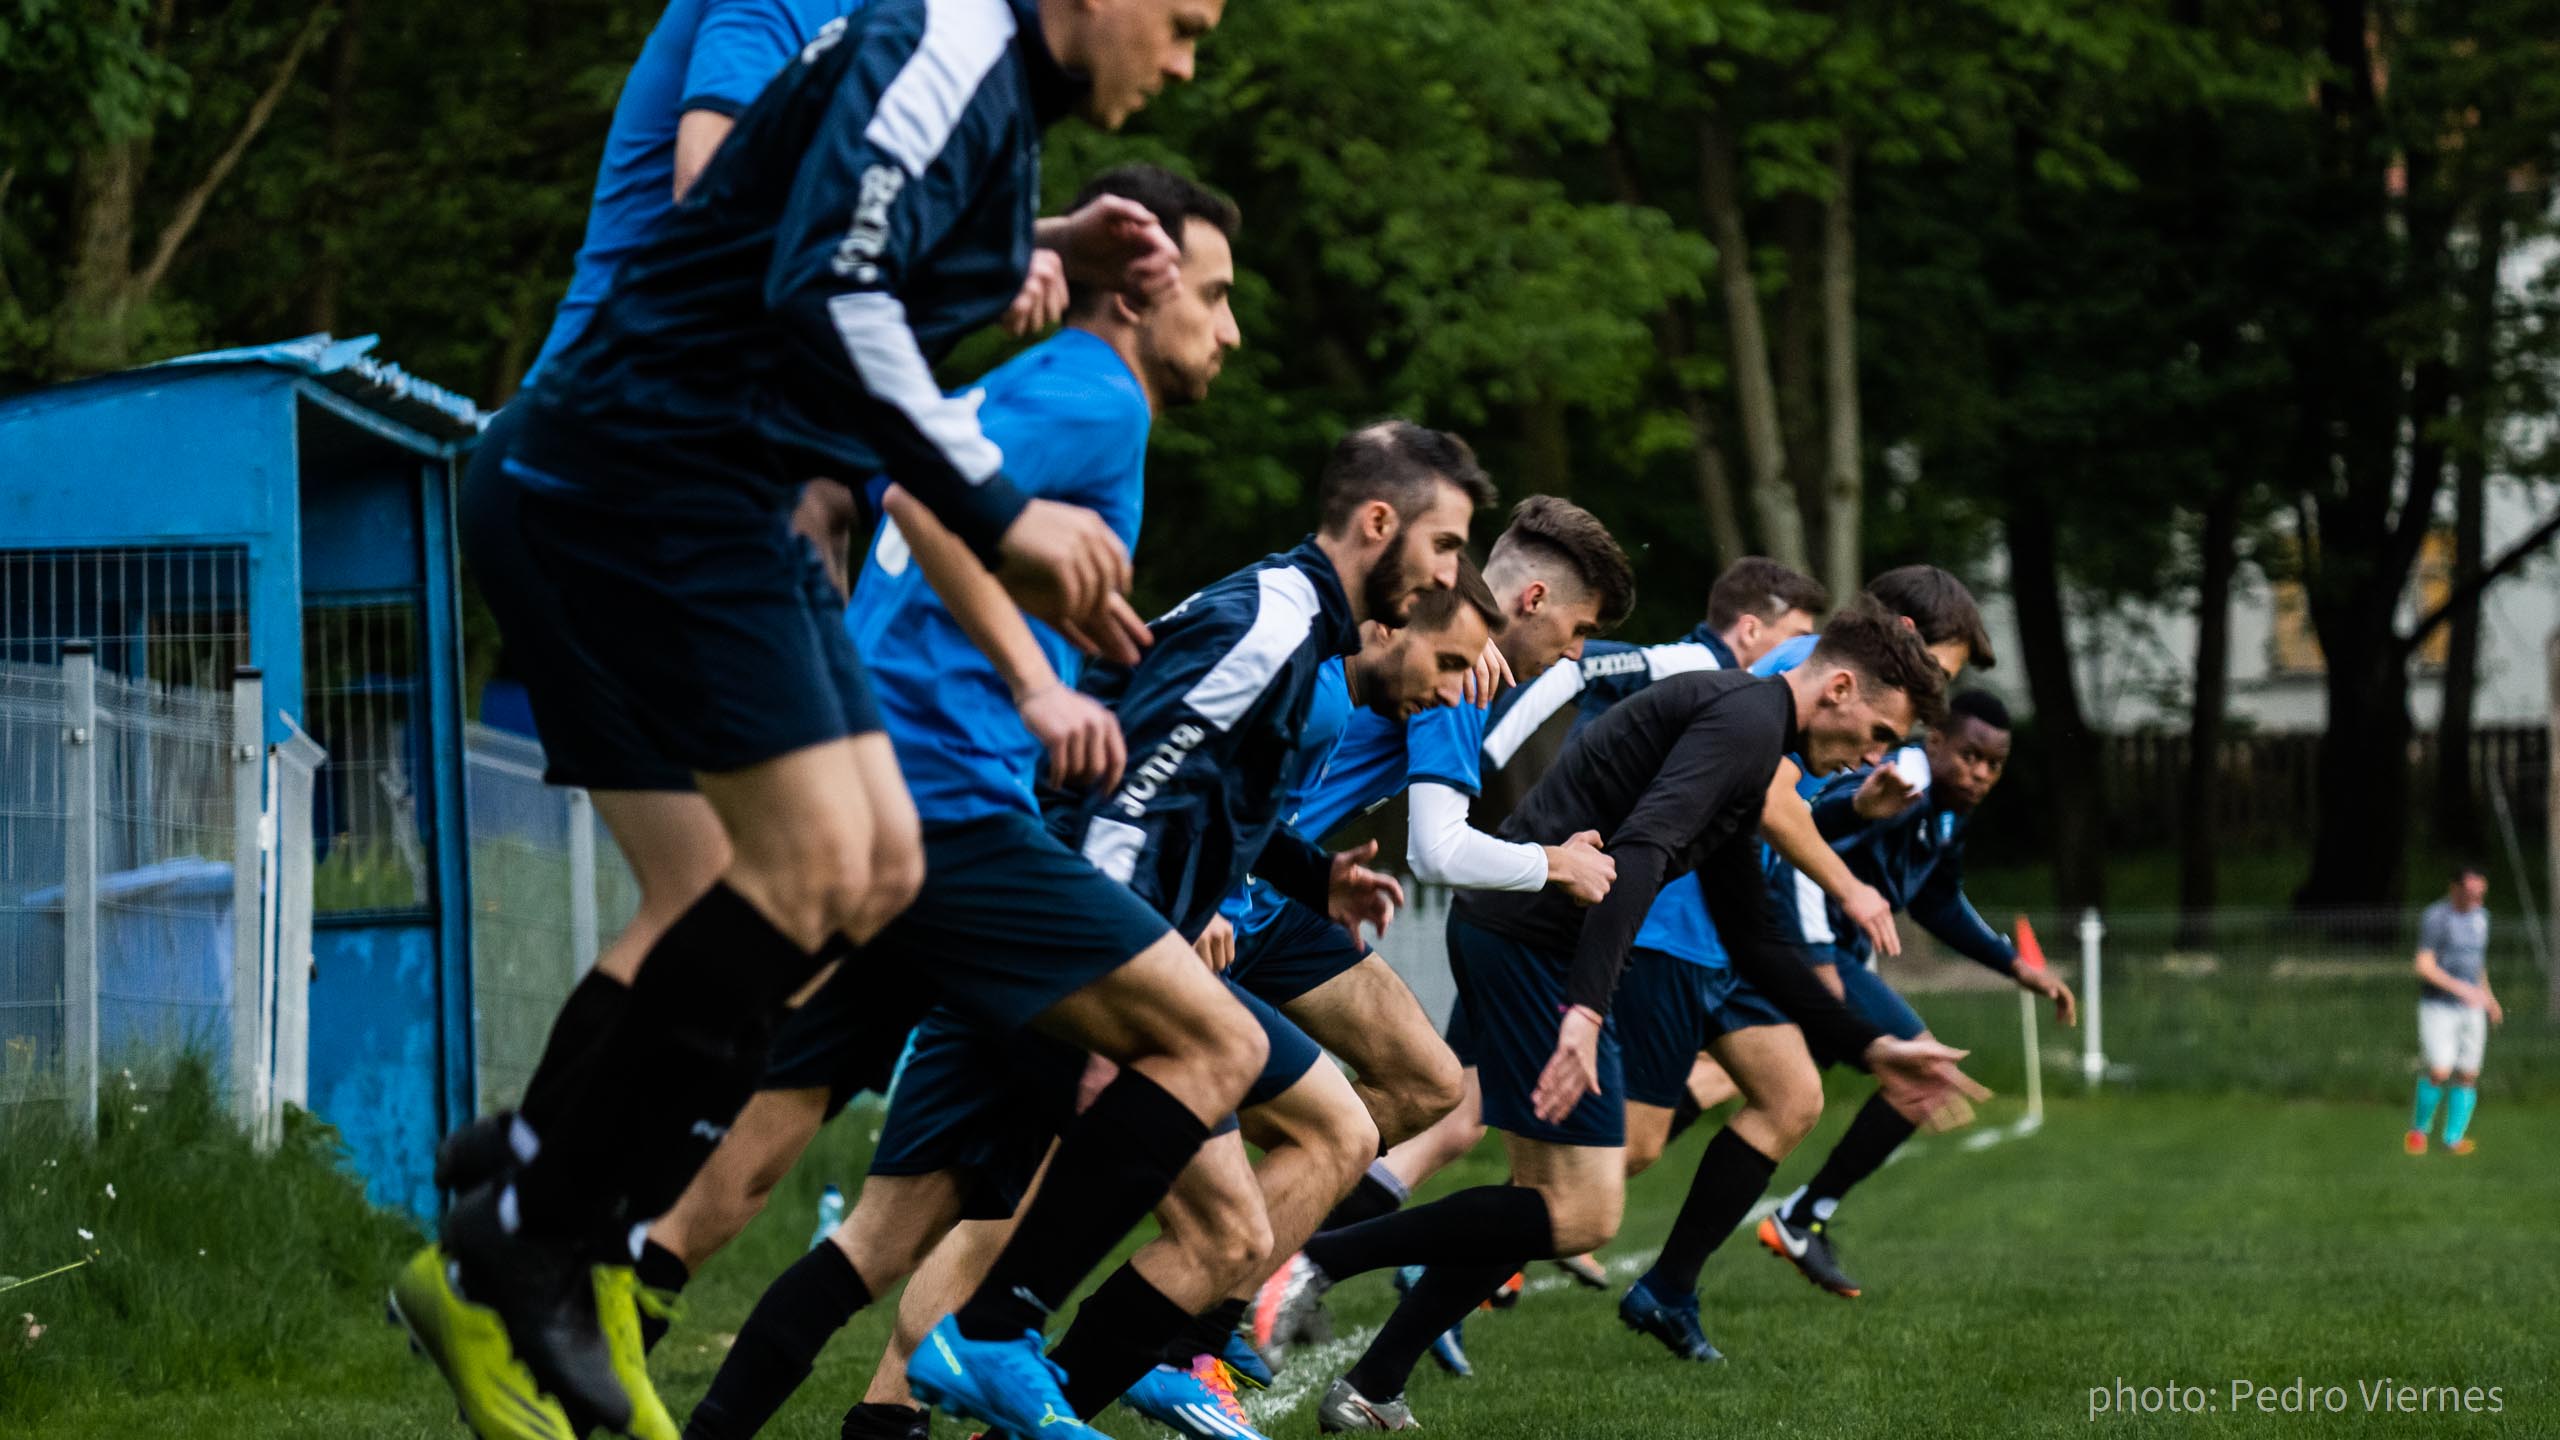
{"x":1917,"y":859}
{"x":2455,"y":1009}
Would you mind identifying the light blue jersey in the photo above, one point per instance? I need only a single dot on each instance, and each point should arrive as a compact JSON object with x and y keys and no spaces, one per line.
{"x":714,"y":55}
{"x":1072,"y":423}
{"x":1373,"y":761}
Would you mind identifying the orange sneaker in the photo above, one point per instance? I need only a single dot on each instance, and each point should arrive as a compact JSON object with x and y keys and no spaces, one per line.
{"x":2463,"y":1146}
{"x":2415,"y":1143}
{"x":1509,"y":1293}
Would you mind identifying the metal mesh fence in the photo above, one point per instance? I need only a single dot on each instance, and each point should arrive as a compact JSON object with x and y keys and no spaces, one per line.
{"x":362,"y":686}
{"x":532,"y":933}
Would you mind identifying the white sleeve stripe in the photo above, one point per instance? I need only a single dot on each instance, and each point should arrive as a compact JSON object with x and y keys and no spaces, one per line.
{"x":1677,"y":659}
{"x":1813,"y":911}
{"x":963,"y":40}
{"x":1283,"y":615}
{"x":873,"y":327}
{"x":1113,"y":847}
{"x":1535,"y":705}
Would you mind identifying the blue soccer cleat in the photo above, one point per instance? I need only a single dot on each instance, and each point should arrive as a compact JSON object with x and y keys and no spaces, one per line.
{"x":1009,"y":1384}
{"x":1184,"y":1402}
{"x":1246,"y":1362}
{"x":1675,"y":1324}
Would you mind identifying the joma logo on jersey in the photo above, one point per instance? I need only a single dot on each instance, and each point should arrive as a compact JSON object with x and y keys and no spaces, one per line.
{"x":1626,"y":662}
{"x":858,"y":258}
{"x":825,"y":40}
{"x":1150,"y":776}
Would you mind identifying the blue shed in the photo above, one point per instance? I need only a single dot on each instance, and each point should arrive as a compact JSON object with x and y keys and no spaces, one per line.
{"x":290,"y":507}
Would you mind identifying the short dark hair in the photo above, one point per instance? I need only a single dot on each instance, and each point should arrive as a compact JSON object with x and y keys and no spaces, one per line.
{"x":1867,"y":638}
{"x":1173,"y":200}
{"x":1758,"y":585}
{"x":1554,"y":528}
{"x":2466,"y":870}
{"x":1399,"y":462}
{"x":1938,"y":603}
{"x":1435,"y":609}
{"x":1981,"y":705}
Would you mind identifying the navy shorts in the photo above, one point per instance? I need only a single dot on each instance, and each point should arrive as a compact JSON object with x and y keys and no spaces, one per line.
{"x":1293,"y":954}
{"x":589,"y":723}
{"x":1733,"y":1003}
{"x":1879,"y":1004}
{"x":1661,"y":1015}
{"x":1514,"y":998}
{"x":716,"y":622}
{"x":989,"y":1105}
{"x":1008,"y":923}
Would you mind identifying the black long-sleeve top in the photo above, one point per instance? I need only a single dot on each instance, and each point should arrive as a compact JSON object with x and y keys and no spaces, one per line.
{"x":1673,"y":779}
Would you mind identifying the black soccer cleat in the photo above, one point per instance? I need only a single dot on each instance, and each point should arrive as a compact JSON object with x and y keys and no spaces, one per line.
{"x":544,"y":1293}
{"x":477,"y":1153}
{"x":1808,"y":1248}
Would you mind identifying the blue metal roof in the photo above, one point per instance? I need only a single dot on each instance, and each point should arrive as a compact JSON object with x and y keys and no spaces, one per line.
{"x":348,"y":368}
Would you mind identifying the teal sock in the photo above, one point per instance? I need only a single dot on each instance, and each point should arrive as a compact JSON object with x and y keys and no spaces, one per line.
{"x":2457,"y":1114}
{"x":2429,"y":1093}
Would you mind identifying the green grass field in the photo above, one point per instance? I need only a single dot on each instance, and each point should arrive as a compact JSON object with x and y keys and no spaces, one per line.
{"x":2162,"y":1239}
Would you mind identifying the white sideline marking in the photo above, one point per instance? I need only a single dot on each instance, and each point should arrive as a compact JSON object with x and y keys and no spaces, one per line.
{"x":1316,"y":1367}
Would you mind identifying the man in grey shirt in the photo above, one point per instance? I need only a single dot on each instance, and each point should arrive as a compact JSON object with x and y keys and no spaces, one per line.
{"x":2455,"y":1009}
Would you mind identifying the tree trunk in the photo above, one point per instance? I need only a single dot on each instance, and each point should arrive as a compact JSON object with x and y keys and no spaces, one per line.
{"x":89,"y":322}
{"x":2457,"y":816}
{"x":1546,"y":447}
{"x":2360,"y":843}
{"x":2073,"y":763}
{"x":328,"y":279}
{"x":1773,"y":501}
{"x":1802,"y":221}
{"x":2197,"y":831}
{"x":1844,"y":480}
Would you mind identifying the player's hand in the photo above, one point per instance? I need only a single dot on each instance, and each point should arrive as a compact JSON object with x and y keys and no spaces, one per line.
{"x":1064,"y":564}
{"x":1358,"y":893}
{"x":1043,"y":301}
{"x":1829,"y":975}
{"x":1492,"y":672}
{"x":2497,"y":1012}
{"x":1573,"y":1072}
{"x":1919,"y":1079}
{"x":1082,"y":736}
{"x":1116,"y":243}
{"x":1885,"y":793}
{"x":2066,"y":1006}
{"x":1582,"y":869}
{"x":1217,"y":945}
{"x":825,"y":517}
{"x":1867,"y":909}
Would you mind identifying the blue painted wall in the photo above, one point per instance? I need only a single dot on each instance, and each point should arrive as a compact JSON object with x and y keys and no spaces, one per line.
{"x":373,"y":1053}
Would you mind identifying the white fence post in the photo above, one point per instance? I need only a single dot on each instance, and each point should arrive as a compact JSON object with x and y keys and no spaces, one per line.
{"x":2035,"y":1058}
{"x":2093,"y":1049}
{"x":582,"y":885}
{"x":248,"y":1017}
{"x":289,"y":822}
{"x":80,"y":883}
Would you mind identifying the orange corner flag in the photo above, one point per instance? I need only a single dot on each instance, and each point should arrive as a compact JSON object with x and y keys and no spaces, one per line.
{"x":2030,"y":953}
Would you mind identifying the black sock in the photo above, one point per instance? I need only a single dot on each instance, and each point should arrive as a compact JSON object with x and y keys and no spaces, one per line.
{"x":775,"y":1349}
{"x":1730,"y":1176}
{"x":1114,"y":1164}
{"x":1443,"y":1297}
{"x":871,"y":1420}
{"x":1683,"y":1115}
{"x":1454,"y":1230}
{"x":658,"y":1268}
{"x":1377,"y":1194}
{"x":1119,"y":1333}
{"x":594,"y":1007}
{"x":1869,"y":1141}
{"x":1206,"y":1333}
{"x":626,"y":1127}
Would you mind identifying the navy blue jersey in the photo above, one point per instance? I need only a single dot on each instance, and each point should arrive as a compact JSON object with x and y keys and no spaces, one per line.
{"x":1607,"y":672}
{"x":714,"y":55}
{"x":871,"y":208}
{"x":1915,"y":859}
{"x":1212,"y":715}
{"x":1075,"y":421}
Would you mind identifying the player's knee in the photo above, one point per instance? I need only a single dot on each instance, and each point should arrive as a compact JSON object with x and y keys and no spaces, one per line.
{"x":1795,"y":1113}
{"x":1235,"y":1236}
{"x":1586,"y":1221}
{"x":1231,"y":1049}
{"x":1434,"y":1090}
{"x":897,"y":877}
{"x":1642,"y":1150}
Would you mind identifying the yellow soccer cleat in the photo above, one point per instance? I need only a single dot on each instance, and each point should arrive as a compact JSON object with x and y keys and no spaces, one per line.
{"x":497,"y":1394}
{"x":620,"y":1297}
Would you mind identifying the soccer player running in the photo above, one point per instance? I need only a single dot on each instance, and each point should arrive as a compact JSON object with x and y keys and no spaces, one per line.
{"x":2455,"y":1009}
{"x":873,"y":206}
{"x":1675,"y":779}
{"x":1917,"y":859}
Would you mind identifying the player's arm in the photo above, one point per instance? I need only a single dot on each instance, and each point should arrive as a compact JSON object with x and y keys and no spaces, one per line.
{"x":1946,"y":912}
{"x":1446,"y":850}
{"x":2435,"y":974}
{"x":869,"y":201}
{"x":1338,"y":883}
{"x":738,"y":47}
{"x":1786,"y":821}
{"x":1081,"y":735}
